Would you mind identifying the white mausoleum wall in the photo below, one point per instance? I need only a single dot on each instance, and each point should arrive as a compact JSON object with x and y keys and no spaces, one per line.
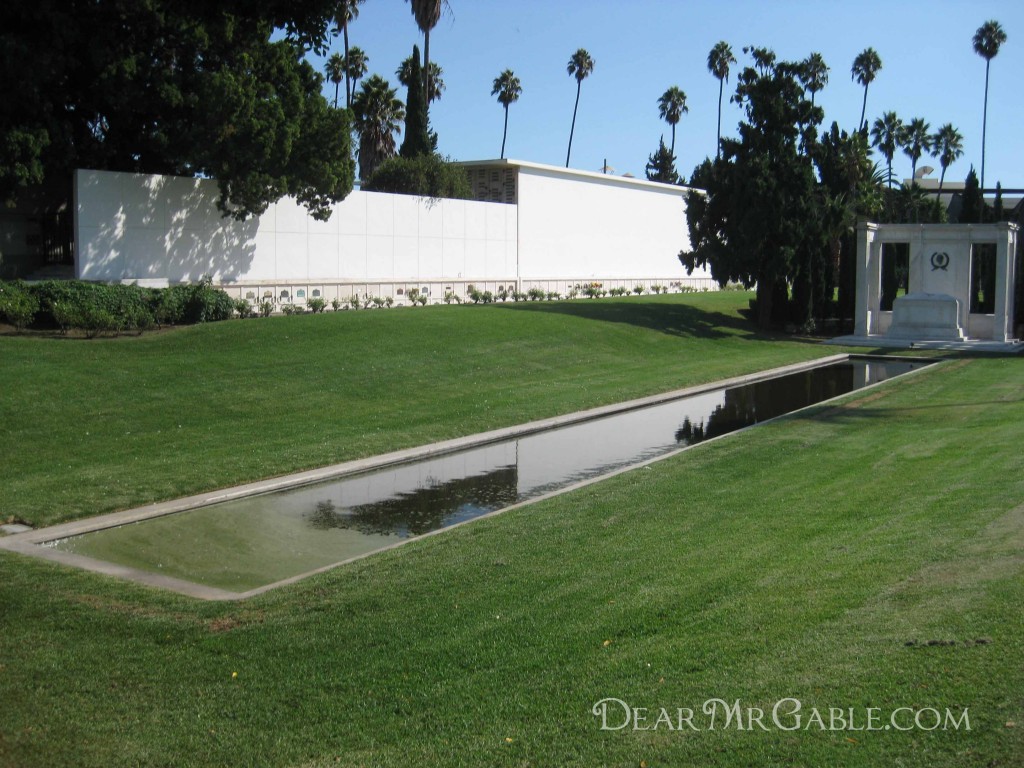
{"x":163,"y":229}
{"x":160,"y":230}
{"x":600,"y":228}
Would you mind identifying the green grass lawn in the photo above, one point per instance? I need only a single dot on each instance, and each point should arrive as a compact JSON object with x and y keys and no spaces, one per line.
{"x":95,"y":426}
{"x":794,"y":560}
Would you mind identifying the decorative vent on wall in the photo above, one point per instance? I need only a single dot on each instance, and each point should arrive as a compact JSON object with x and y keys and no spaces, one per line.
{"x":493,"y":185}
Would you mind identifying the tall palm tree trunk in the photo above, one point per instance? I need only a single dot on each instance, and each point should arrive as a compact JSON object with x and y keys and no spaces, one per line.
{"x":718,"y":146}
{"x":426,"y":68}
{"x":984,"y":126}
{"x":864,"y":106}
{"x":942,"y":178}
{"x":505,"y":134}
{"x":349,"y":89}
{"x":572,"y":130}
{"x":672,"y":149}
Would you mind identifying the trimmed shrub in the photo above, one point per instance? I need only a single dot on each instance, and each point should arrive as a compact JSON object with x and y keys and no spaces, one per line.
{"x":426,"y":175}
{"x":96,"y":320}
{"x":196,"y":303}
{"x":18,"y":305}
{"x":317,"y":305}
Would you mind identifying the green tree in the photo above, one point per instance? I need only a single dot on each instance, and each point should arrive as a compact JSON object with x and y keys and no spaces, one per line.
{"x":347,"y":11}
{"x":179,"y":88}
{"x":661,"y":166}
{"x":335,"y":69}
{"x":378,"y":113}
{"x":356,"y":65}
{"x":972,"y":202}
{"x":427,"y":13}
{"x":887,"y":135}
{"x":760,"y":209}
{"x":435,"y":85}
{"x":671,"y":107}
{"x":425,"y":175}
{"x":508,"y":89}
{"x":916,"y":140}
{"x":866,"y":65}
{"x":849,"y":190}
{"x":948,"y":144}
{"x":719,"y":60}
{"x":815,"y":75}
{"x":417,"y":132}
{"x":580,"y":66}
{"x":987,"y":41}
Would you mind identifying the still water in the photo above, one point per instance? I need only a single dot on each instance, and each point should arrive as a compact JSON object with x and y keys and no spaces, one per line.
{"x":250,"y":542}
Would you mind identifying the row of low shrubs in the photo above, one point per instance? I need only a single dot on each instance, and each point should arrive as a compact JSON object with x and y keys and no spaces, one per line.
{"x":98,"y":308}
{"x":590,"y":290}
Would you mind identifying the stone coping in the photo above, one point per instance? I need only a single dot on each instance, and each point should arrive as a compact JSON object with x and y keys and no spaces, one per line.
{"x":32,"y":542}
{"x":1013,"y":347}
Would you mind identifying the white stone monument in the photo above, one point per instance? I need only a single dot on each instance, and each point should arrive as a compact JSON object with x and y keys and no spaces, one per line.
{"x":937,"y":305}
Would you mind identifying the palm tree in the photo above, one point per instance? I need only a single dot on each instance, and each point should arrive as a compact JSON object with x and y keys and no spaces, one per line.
{"x":580,"y":66}
{"x":435,"y":84}
{"x":348,"y":10}
{"x":335,"y":69}
{"x":916,"y":141}
{"x":887,"y":135}
{"x":427,"y":13}
{"x":718,"y":64}
{"x":815,"y":74}
{"x":378,"y":113}
{"x":355,"y":67}
{"x":508,"y":89}
{"x":948,"y":145}
{"x":671,"y":107}
{"x":987,"y":40}
{"x":865,"y":67}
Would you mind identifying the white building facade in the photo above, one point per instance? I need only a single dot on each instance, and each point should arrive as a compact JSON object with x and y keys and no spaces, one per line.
{"x":535,"y":227}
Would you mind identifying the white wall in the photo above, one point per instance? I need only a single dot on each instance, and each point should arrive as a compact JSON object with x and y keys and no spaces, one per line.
{"x":565,"y":230}
{"x":575,"y":225}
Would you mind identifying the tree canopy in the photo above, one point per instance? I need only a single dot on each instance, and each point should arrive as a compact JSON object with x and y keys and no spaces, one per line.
{"x":661,"y":166}
{"x":758,"y":217}
{"x":185,"y":88}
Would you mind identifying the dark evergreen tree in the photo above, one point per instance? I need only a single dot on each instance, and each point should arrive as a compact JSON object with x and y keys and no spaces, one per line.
{"x":417,"y":140}
{"x":998,"y":214}
{"x":761,"y":203}
{"x":972,"y":203}
{"x":661,"y":166}
{"x":849,"y":190}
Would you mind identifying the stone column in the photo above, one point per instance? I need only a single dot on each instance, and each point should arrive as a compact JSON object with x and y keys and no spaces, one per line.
{"x":868,"y":279}
{"x":1006,"y":249}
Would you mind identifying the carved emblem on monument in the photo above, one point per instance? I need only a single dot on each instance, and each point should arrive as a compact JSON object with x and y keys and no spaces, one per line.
{"x":940,"y":260}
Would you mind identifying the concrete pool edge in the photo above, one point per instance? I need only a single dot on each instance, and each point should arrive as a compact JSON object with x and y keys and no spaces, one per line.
{"x":29,"y":543}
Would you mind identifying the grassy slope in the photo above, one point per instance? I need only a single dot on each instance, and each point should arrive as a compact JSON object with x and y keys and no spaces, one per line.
{"x":796,"y":559}
{"x":93,"y":426}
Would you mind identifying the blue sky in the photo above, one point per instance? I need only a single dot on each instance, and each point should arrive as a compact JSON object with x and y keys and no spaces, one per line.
{"x":642,"y":47}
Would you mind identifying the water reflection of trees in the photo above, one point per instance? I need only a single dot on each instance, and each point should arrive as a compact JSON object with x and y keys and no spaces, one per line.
{"x":762,"y":400}
{"x":425,"y":509}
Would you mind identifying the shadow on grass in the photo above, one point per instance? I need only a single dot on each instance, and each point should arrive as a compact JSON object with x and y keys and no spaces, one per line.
{"x":674,"y":319}
{"x":858,"y":411}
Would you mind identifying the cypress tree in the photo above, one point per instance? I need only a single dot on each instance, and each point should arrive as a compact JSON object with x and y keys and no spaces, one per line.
{"x":661,"y":166}
{"x":972,"y":203}
{"x":417,"y":133}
